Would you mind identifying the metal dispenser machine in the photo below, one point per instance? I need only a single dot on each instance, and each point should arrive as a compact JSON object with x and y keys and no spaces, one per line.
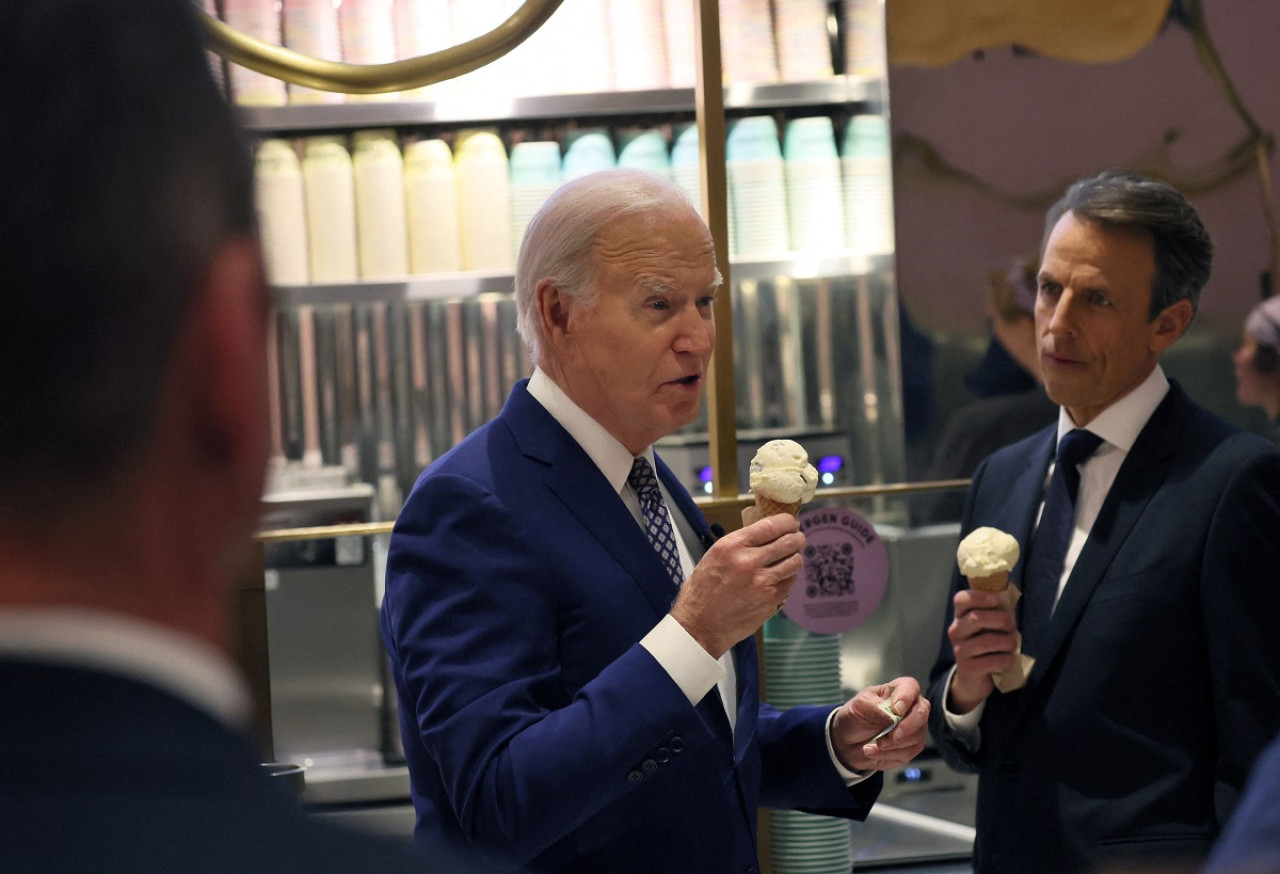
{"x":333,"y":707}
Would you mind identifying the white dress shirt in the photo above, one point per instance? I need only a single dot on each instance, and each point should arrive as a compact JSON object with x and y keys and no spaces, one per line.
{"x":690,"y":666}
{"x":1119,"y":426}
{"x":179,"y":664}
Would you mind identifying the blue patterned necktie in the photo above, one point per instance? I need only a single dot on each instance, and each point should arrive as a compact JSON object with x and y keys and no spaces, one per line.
{"x":657,"y":522}
{"x":1053,"y":536}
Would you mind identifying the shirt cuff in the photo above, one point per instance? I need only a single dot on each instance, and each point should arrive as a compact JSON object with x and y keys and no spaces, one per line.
{"x":851,"y":778}
{"x":683,"y":658}
{"x":963,"y":726}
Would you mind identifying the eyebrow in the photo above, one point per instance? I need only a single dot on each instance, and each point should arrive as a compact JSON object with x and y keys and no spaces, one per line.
{"x":657,"y":286}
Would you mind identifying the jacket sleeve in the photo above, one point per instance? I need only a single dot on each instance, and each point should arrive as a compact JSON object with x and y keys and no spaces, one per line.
{"x":797,"y":770}
{"x":1239,"y":602}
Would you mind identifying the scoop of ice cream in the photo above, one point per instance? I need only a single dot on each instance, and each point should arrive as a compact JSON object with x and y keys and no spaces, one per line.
{"x":987,"y":551}
{"x":781,"y":472}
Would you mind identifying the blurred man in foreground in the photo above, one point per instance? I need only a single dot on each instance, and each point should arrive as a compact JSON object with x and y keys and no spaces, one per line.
{"x":133,"y":443}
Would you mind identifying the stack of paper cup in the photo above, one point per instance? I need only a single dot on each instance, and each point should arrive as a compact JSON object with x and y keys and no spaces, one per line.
{"x":646,"y":150}
{"x":484,"y":201}
{"x":868,"y":190}
{"x":587,"y":151}
{"x":805,"y":843}
{"x":474,"y":18}
{"x":282,"y":219}
{"x":535,"y":175}
{"x":815,"y":205}
{"x":329,"y":184}
{"x":639,"y":48}
{"x":864,"y":38}
{"x":746,"y":40}
{"x":311,"y":29}
{"x":686,"y":171}
{"x":576,"y":36}
{"x":259,"y":19}
{"x":431,"y":207}
{"x":757,"y":181}
{"x":682,"y":57}
{"x":368,"y":37}
{"x":804,"y":45}
{"x":422,"y":27}
{"x":380,"y":210}
{"x":804,"y":668}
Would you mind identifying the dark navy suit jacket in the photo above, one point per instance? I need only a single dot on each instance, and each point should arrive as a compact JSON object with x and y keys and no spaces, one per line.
{"x":535,"y":725}
{"x":1159,"y":683}
{"x":105,"y":774}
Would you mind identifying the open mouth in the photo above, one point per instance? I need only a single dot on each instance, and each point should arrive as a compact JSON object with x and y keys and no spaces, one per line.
{"x":689,"y":380}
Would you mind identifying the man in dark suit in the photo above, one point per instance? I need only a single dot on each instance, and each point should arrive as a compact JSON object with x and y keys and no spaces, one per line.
{"x":1157,"y":671}
{"x":133,"y":444}
{"x":572,"y":698}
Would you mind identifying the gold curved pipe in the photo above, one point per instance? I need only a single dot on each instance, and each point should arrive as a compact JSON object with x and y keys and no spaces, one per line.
{"x":281,"y":63}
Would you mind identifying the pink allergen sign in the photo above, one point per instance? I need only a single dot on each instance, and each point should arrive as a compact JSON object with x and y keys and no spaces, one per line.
{"x":846,"y":571}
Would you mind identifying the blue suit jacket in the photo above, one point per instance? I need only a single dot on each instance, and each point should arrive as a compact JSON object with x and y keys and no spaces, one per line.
{"x":535,"y":726}
{"x":103,"y":773}
{"x":1160,"y":680}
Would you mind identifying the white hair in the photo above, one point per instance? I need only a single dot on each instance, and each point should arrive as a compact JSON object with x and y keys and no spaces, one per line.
{"x":559,"y":240}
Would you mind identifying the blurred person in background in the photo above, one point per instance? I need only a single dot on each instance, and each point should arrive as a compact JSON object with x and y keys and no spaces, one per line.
{"x":1257,"y":363}
{"x":133,"y":447}
{"x":1011,"y":401}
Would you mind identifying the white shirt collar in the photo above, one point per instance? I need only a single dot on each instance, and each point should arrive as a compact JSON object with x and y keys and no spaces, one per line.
{"x":608,"y":453}
{"x":179,"y":664}
{"x":1122,"y":422}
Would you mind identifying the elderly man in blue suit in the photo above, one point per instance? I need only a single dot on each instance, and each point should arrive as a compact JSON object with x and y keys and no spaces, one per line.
{"x":1148,"y":578}
{"x":574,"y":699}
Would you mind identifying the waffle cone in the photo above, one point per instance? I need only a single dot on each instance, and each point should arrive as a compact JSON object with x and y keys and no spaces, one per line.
{"x":770,"y":507}
{"x":994,"y":583}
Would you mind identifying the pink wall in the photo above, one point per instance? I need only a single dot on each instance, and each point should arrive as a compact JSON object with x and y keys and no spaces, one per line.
{"x":1029,"y":125}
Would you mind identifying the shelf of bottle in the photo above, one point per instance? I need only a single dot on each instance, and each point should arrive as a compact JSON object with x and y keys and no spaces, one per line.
{"x":473,"y":108}
{"x":438,"y":286}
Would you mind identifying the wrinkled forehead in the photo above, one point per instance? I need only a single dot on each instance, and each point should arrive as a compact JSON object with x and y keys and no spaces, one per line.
{"x":672,"y":235}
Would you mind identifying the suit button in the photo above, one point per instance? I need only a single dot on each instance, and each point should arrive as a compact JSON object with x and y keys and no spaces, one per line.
{"x":677,"y":744}
{"x":753,"y":870}
{"x":635,"y":777}
{"x":649,"y":766}
{"x":1011,"y":767}
{"x":663,"y":755}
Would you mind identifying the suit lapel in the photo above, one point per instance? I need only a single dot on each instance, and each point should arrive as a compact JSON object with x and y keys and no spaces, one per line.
{"x":1024,"y":493}
{"x":1136,"y":482}
{"x":583,"y":489}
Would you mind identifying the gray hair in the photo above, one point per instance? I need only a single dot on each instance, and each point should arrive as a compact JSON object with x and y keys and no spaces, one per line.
{"x":1122,"y":199}
{"x":559,"y":241}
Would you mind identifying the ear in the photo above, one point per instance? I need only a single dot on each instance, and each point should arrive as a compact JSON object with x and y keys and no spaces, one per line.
{"x":554,"y":310}
{"x":225,"y":364}
{"x":1170,"y":324}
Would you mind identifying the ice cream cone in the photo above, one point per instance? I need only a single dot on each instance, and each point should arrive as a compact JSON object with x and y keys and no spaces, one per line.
{"x":996,"y":582}
{"x":770,"y":507}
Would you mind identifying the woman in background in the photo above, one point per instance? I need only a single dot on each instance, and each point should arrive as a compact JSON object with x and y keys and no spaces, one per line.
{"x":1257,"y":363}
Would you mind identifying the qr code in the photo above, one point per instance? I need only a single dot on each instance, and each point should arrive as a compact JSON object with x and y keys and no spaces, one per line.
{"x":830,"y":569}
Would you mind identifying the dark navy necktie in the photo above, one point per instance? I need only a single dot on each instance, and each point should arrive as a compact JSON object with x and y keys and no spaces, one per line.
{"x":657,"y":522}
{"x":1053,"y":536}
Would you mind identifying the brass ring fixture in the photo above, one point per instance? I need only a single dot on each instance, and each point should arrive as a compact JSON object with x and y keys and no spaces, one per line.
{"x":281,"y":63}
